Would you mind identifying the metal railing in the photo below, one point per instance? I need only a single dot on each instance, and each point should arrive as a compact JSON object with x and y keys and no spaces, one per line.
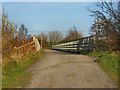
{"x":79,"y":45}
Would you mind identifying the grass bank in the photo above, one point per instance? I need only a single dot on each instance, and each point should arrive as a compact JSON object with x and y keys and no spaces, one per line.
{"x":13,"y":73}
{"x":108,"y":62}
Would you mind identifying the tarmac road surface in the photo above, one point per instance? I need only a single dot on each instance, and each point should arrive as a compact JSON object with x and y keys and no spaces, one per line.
{"x":64,"y":70}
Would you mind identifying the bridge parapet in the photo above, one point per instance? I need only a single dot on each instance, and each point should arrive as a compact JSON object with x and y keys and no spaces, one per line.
{"x":85,"y":44}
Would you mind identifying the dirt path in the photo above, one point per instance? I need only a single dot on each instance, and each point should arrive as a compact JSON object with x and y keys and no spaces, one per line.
{"x":61,"y":70}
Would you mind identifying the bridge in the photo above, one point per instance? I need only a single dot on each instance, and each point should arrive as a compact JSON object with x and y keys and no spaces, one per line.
{"x":79,"y":45}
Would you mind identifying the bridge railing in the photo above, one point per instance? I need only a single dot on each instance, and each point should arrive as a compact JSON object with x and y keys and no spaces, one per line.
{"x":79,"y":45}
{"x":28,"y":46}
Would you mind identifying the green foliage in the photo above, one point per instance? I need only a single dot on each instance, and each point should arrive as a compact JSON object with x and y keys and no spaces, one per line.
{"x":98,"y":54}
{"x":14,"y":74}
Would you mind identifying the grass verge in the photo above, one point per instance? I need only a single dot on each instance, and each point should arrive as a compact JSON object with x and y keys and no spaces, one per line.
{"x":13,"y":73}
{"x":108,"y":62}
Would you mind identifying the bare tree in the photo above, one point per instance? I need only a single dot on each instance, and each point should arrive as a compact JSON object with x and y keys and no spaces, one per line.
{"x":23,"y":32}
{"x":106,"y":9}
{"x":109,"y":27}
{"x":73,"y":34}
{"x":55,"y":36}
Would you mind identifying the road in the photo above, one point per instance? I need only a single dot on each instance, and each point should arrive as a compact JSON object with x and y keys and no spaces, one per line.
{"x":64,"y":70}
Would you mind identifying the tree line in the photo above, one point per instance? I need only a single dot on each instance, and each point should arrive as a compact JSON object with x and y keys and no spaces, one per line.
{"x":56,"y":37}
{"x":106,"y":29}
